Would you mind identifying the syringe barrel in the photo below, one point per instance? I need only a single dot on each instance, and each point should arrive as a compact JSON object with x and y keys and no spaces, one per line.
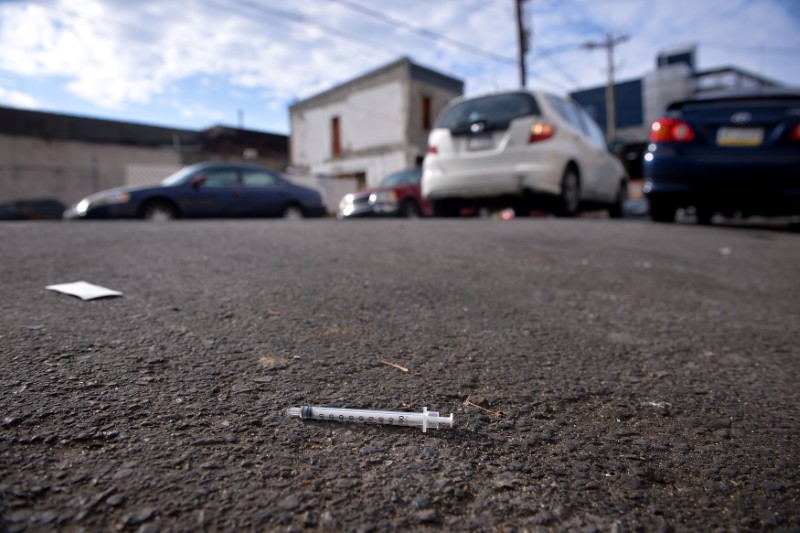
{"x":426,"y":419}
{"x":364,"y":416}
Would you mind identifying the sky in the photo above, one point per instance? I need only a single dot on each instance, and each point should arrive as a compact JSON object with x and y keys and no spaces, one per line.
{"x":197,"y":63}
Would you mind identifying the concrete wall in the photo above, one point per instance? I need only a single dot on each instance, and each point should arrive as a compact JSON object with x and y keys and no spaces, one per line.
{"x":380,"y":124}
{"x":148,"y":175}
{"x":372,"y":132}
{"x":32,"y":168}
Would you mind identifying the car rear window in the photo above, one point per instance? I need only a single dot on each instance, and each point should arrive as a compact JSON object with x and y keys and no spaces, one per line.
{"x":493,"y":112}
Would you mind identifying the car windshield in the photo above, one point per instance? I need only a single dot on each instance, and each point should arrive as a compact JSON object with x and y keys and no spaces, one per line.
{"x":494,"y":112}
{"x":179,"y":177}
{"x":404,"y":177}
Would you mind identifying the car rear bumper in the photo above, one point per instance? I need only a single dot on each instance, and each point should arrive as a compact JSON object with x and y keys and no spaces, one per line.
{"x":482,"y":183}
{"x":755,"y":187}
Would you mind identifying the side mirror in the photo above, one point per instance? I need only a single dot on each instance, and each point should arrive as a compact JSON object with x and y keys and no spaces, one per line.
{"x":198,"y":180}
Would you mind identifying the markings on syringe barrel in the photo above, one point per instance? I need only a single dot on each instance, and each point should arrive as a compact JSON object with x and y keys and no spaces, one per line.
{"x":401,"y":420}
{"x":363,"y":419}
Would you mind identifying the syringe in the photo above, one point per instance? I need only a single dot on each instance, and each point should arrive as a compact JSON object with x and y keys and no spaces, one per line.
{"x":426,"y":419}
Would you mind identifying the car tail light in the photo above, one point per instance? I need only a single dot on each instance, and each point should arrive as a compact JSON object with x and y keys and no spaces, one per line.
{"x":433,"y":149}
{"x":671,"y":130}
{"x":795,"y":135}
{"x":541,"y":131}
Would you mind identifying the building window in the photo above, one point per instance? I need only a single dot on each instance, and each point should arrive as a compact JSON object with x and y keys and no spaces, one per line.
{"x":427,"y":121}
{"x":336,"y":137}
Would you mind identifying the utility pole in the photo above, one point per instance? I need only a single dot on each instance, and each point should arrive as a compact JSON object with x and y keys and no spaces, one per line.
{"x":523,"y":43}
{"x":611,"y":111}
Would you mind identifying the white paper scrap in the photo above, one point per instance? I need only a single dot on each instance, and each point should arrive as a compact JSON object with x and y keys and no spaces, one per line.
{"x":84,"y":290}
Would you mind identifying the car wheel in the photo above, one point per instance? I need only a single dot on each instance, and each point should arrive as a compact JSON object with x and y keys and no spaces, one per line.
{"x":617,"y":208}
{"x":660,"y":212}
{"x":569,"y":198}
{"x":410,"y":209}
{"x":446,"y":208}
{"x":159,"y":210}
{"x":292,"y":212}
{"x":522,"y":211}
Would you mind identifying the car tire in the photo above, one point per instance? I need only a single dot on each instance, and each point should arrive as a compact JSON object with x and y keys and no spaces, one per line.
{"x":661,"y":212}
{"x":159,"y":210}
{"x":446,"y":208}
{"x":569,"y":197}
{"x":617,"y":208}
{"x":522,"y":211}
{"x":410,"y":209}
{"x":292,"y":212}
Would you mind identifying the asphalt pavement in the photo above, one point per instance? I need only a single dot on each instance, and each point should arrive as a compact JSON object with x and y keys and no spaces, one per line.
{"x":603,"y":376}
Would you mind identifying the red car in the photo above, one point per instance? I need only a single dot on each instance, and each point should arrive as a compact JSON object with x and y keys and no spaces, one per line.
{"x":398,"y":196}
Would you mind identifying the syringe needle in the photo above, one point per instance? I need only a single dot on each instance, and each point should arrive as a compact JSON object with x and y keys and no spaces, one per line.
{"x":426,"y":419}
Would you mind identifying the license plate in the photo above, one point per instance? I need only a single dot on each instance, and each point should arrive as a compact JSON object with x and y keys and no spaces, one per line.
{"x":479,"y":142}
{"x":740,"y":136}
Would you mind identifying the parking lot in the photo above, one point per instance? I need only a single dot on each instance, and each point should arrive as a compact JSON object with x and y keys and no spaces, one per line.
{"x":603,"y":375}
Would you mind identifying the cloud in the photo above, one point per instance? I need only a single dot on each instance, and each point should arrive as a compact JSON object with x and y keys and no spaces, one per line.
{"x":110,"y":53}
{"x":13,"y":98}
{"x":199,"y":111}
{"x":116,"y":53}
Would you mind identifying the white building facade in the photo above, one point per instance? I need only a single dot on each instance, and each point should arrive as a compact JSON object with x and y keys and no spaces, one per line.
{"x":371,"y":126}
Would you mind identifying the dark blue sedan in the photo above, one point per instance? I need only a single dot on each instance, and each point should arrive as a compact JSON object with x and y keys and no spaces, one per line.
{"x":735,"y":153}
{"x":206,"y":190}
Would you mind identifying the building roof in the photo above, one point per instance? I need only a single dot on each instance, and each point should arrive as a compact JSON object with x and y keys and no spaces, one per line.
{"x":44,"y":125}
{"x":415,"y":71}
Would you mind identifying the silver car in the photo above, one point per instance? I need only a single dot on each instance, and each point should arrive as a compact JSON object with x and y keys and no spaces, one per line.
{"x":522,"y":149}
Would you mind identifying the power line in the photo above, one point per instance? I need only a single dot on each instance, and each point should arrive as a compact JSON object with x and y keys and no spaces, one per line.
{"x":556,"y":49}
{"x":423,"y":31}
{"x":544,"y":79}
{"x":543,"y":52}
{"x":300,"y":18}
{"x":504,"y":7}
{"x":548,"y":54}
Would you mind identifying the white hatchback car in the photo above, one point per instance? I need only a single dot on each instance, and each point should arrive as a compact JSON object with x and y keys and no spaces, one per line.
{"x":522,"y":149}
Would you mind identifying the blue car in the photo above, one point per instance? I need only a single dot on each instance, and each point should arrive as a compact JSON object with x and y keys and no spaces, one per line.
{"x":737,"y":154}
{"x":206,"y":190}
